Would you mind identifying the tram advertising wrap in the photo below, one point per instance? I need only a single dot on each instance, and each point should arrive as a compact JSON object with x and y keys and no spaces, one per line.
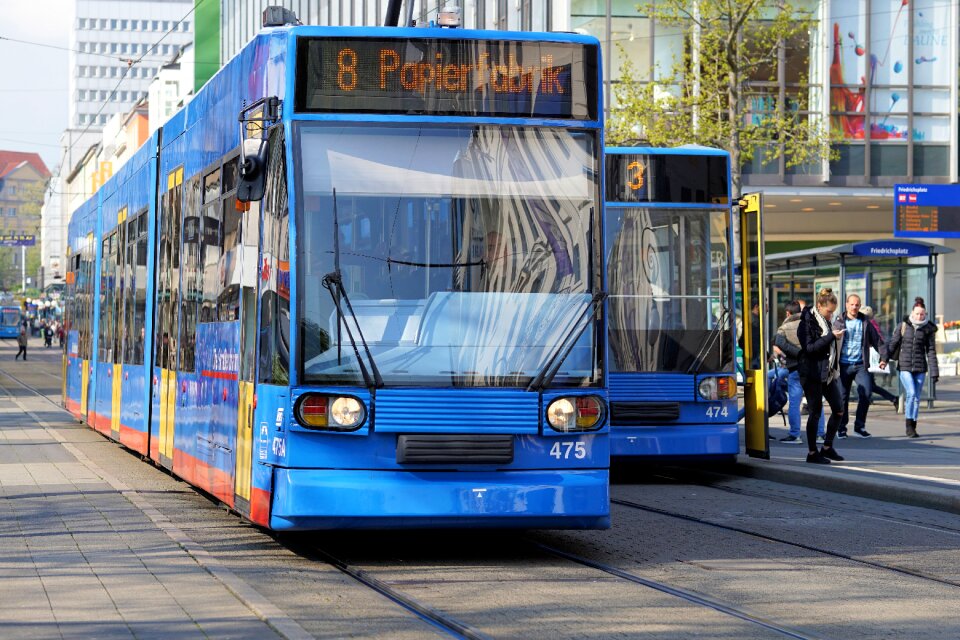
{"x":670,"y":326}
{"x":376,"y":303}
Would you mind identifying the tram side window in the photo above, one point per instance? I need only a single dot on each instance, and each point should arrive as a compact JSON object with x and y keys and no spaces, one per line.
{"x":228,"y":299}
{"x":210,"y":249}
{"x":192,"y":283}
{"x":107,"y":259}
{"x":120,"y":285}
{"x":129,"y":256}
{"x":89,"y":270}
{"x":137,"y":289}
{"x":275,"y":291}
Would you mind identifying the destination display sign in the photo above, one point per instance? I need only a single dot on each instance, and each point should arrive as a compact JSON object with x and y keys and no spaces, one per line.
{"x":673,"y":178}
{"x":926,"y":211}
{"x":447,"y":77}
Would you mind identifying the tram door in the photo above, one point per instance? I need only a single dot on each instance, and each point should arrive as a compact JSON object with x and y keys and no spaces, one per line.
{"x":243,"y":459}
{"x":754,"y":330}
{"x":168,"y":316}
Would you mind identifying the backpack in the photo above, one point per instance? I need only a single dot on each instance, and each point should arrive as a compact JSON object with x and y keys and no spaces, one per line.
{"x":776,"y":395}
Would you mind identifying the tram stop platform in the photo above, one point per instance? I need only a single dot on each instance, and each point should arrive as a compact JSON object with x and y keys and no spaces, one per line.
{"x":923,"y":472}
{"x":82,"y":555}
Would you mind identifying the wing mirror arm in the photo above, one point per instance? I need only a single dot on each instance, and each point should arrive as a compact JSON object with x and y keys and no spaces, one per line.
{"x":253,"y":151}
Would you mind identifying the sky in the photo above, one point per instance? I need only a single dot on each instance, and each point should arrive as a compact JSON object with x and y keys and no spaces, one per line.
{"x":33,"y":79}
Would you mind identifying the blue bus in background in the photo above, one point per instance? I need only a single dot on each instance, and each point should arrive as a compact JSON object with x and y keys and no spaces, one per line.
{"x":10,"y":321}
{"x":356,"y":282}
{"x":668,"y":232}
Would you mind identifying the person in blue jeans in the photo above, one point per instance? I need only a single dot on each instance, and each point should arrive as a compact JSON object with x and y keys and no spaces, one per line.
{"x":914,"y":345}
{"x":859,"y":335}
{"x":787,"y":344}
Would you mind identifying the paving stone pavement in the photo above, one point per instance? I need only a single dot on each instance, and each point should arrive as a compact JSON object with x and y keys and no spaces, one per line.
{"x":80,"y":559}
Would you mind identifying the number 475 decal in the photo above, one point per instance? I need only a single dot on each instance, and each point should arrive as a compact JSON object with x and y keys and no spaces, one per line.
{"x":563,"y":450}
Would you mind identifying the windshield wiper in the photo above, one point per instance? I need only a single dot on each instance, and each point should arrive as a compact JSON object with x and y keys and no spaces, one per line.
{"x":335,"y":279}
{"x":552,"y":365}
{"x":709,"y":341}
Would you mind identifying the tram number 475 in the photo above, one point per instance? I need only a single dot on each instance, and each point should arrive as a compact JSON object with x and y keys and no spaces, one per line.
{"x":566,"y":450}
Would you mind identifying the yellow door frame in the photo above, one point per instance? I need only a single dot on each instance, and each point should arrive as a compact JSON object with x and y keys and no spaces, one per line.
{"x":752,"y":280}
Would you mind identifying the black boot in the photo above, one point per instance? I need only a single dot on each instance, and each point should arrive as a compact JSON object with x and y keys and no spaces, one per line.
{"x":912,"y":428}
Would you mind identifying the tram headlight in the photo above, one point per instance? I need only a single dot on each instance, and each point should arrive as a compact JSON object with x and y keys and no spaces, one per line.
{"x":717,"y":388}
{"x":334,"y":413}
{"x":347,"y":412}
{"x":575,"y":413}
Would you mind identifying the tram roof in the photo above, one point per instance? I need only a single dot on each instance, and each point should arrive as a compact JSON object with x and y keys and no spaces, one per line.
{"x":683,"y":150}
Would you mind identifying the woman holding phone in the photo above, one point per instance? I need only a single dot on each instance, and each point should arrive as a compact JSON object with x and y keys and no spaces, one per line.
{"x":819,"y":368}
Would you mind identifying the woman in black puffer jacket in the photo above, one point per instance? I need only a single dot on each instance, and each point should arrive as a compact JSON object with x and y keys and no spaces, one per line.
{"x":819,"y":368}
{"x":914,"y":346}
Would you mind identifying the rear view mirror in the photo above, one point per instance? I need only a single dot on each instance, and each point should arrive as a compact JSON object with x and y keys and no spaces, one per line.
{"x":253,"y":170}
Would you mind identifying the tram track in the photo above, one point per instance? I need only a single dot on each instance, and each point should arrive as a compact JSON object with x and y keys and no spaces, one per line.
{"x":432,"y":616}
{"x":776,"y":539}
{"x":695,"y":480}
{"x":684,"y":594}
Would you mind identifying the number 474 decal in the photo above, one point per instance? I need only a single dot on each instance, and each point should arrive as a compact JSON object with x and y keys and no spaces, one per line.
{"x":717,"y":412}
{"x":566,"y":450}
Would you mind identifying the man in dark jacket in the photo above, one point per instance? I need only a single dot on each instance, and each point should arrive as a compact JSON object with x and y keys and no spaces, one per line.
{"x":789,"y":345}
{"x":860,"y":335}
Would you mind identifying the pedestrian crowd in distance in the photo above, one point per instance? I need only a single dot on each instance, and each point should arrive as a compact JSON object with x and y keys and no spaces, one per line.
{"x":48,"y":329}
{"x":822,"y":355}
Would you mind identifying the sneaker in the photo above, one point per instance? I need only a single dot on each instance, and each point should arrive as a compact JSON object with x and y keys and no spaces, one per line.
{"x":863,"y":433}
{"x":831,"y":453}
{"x":791,"y":440}
{"x":815,"y":457}
{"x":820,"y":440}
{"x":842,"y":435}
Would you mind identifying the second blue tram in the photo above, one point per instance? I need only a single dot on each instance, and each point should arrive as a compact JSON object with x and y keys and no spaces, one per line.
{"x":668,"y":226}
{"x":356,"y":282}
{"x":9,"y":321}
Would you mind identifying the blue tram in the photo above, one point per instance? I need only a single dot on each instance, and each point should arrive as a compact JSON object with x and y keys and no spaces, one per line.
{"x":357,"y":282}
{"x":668,"y":227}
{"x":9,"y":321}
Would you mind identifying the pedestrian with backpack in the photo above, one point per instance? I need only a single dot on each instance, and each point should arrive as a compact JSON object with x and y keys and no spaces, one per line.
{"x":787,"y":342}
{"x":820,"y":373}
{"x":914,"y":345}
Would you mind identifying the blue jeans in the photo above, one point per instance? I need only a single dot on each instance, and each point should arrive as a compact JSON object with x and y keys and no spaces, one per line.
{"x":911,"y":383}
{"x":850,"y":374}
{"x":795,"y":395}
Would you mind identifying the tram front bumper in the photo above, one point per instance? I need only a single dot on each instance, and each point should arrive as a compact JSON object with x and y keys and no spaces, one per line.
{"x":676,"y":440}
{"x":359,"y":499}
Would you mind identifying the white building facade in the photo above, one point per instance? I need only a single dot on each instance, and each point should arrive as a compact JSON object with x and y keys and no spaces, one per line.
{"x":116,"y":49}
{"x":240,"y":19}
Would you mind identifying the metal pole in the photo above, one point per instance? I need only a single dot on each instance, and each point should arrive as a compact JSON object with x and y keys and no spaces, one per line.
{"x":409,"y":20}
{"x":23,"y":268}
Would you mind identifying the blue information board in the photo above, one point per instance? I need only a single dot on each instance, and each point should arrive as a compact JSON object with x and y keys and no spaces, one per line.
{"x":926,"y":211}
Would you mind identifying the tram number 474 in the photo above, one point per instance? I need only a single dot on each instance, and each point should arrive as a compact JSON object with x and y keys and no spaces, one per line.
{"x":566,"y":450}
{"x":717,"y":412}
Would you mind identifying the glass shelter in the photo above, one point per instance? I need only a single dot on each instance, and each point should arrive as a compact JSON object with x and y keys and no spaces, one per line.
{"x":886,"y":274}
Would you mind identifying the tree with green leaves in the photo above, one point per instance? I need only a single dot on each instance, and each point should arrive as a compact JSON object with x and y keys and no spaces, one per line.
{"x":726,"y":88}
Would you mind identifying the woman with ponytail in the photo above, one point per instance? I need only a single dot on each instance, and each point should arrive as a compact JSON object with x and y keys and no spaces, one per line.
{"x":914,"y":345}
{"x":819,"y":368}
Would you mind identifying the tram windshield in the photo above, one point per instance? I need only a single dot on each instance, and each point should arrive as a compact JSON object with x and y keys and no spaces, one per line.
{"x":668,"y":277}
{"x":9,"y":317}
{"x":465,"y":253}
